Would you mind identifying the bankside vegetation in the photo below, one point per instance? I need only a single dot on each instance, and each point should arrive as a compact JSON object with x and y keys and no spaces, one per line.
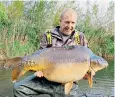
{"x":23,"y":22}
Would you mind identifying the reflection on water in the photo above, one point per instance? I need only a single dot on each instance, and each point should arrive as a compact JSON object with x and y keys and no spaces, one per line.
{"x":5,"y":84}
{"x":104,"y":83}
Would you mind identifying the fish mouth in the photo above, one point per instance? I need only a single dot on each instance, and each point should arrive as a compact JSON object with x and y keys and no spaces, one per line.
{"x":103,"y":63}
{"x":98,"y":63}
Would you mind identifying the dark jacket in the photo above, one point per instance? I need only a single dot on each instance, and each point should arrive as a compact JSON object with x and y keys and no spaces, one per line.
{"x":57,"y":39}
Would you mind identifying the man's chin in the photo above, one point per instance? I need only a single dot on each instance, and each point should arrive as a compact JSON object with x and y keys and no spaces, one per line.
{"x":67,"y":32}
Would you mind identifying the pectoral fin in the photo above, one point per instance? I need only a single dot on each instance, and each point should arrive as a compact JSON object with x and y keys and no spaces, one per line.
{"x":22,"y":72}
{"x":15,"y":73}
{"x":68,"y":87}
{"x":89,"y":77}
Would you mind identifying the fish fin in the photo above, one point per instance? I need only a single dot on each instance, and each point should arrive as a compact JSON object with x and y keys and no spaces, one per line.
{"x":22,"y":72}
{"x":12,"y":63}
{"x":68,"y":87}
{"x":89,"y":77}
{"x":15,"y":73}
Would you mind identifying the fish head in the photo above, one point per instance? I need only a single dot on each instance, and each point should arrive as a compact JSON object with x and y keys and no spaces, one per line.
{"x":98,"y":63}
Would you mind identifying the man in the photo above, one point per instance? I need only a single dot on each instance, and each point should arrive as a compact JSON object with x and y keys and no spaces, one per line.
{"x":63,"y":35}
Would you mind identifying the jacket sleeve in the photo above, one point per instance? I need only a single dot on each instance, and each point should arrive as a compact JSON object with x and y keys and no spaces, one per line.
{"x":83,"y":40}
{"x":43,"y":42}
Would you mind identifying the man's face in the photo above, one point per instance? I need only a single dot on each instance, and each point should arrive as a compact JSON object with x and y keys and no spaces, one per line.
{"x":67,"y":23}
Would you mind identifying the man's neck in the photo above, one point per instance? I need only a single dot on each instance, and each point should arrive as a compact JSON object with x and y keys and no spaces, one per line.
{"x":63,"y":33}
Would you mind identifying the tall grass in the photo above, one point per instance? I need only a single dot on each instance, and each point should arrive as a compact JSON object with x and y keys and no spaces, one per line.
{"x":22,"y":23}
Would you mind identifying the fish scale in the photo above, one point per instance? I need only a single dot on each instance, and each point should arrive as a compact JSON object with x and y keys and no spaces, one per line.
{"x":62,"y":54}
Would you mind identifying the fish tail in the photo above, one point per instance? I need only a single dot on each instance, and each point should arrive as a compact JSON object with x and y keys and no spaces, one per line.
{"x":13,"y":63}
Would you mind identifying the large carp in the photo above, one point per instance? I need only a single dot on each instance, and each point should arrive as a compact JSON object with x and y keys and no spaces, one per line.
{"x":60,"y":64}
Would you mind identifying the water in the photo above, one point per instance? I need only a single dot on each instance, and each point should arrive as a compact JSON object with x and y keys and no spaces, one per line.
{"x":104,"y":85}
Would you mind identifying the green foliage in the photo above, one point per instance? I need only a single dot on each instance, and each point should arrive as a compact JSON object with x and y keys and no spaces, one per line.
{"x":21,"y":27}
{"x":15,"y":10}
{"x":56,"y":19}
{"x":95,"y":9}
{"x":17,"y":49}
{"x":98,"y":31}
{"x":3,"y":15}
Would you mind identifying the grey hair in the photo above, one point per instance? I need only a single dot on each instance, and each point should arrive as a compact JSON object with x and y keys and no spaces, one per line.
{"x":68,"y":10}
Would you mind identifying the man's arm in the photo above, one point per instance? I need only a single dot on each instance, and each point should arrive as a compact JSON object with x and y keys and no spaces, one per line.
{"x":83,"y":40}
{"x":43,"y":42}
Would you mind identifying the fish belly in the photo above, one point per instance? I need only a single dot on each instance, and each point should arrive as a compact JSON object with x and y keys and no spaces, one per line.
{"x":67,"y":72}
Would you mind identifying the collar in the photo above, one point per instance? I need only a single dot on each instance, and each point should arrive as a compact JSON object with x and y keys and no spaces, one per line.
{"x":56,"y":33}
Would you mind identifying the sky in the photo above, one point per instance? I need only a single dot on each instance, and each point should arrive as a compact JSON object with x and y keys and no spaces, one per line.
{"x":102,"y":3}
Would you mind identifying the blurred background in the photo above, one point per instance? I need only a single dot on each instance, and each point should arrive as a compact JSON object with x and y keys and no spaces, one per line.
{"x":23,"y":22}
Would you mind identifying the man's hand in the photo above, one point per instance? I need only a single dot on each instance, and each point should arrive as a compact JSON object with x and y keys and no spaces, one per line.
{"x":39,"y":74}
